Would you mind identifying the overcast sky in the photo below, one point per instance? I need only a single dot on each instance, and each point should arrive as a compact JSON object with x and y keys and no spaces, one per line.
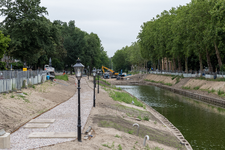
{"x":116,"y":22}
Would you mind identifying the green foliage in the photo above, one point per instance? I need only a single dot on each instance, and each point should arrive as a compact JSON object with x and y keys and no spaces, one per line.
{"x":130,"y":131}
{"x":120,"y":147}
{"x":186,"y":87}
{"x":62,"y":77}
{"x":196,"y":88}
{"x":4,"y":44}
{"x":118,"y":136}
{"x":146,"y":118}
{"x":2,"y":66}
{"x":220,"y":92}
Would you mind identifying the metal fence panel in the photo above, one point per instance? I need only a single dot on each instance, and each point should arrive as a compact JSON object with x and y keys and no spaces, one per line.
{"x":13,"y":80}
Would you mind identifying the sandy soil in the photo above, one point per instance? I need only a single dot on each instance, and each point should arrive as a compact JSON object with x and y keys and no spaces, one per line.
{"x":15,"y":109}
{"x":205,"y":86}
{"x":111,"y":121}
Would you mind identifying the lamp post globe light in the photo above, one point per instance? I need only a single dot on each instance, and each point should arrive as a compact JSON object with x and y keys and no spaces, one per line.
{"x":78,"y":68}
{"x":94,"y":74}
{"x":98,"y":79}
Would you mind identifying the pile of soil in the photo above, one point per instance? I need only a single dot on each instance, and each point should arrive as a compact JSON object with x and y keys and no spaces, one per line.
{"x":18,"y":108}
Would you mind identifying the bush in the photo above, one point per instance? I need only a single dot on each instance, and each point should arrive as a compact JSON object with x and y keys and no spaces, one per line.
{"x":2,"y":65}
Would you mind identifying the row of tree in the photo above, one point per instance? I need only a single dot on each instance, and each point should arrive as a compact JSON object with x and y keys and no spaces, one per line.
{"x":34,"y":38}
{"x":129,"y":58}
{"x":191,"y":36}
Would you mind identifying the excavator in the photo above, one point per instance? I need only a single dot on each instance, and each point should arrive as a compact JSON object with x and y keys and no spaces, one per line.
{"x":106,"y":75}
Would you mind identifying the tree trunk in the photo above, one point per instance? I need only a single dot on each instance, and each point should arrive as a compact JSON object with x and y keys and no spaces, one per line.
{"x":218,"y":55}
{"x":209,"y":61}
{"x":167,"y":64}
{"x":200,"y":63}
{"x":158,"y":64}
{"x":174,"y":64}
{"x":162,"y":64}
{"x":179,"y":64}
{"x":186,"y":64}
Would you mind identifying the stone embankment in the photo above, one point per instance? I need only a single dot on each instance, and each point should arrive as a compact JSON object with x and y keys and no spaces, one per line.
{"x":203,"y":90}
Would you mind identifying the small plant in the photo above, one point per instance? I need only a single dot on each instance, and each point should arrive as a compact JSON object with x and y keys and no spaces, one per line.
{"x":139,"y":117}
{"x":144,"y":106}
{"x":119,"y":147}
{"x":25,"y":93}
{"x":211,"y":91}
{"x":196,"y":88}
{"x":186,"y":87}
{"x":4,"y":93}
{"x":130,"y":131}
{"x":128,"y":114}
{"x":118,"y":136}
{"x":220,"y":92}
{"x":146,"y":118}
{"x":12,"y":96}
{"x":106,"y":145}
{"x":155,"y":122}
{"x":136,"y":142}
{"x":33,"y":86}
{"x":169,"y":84}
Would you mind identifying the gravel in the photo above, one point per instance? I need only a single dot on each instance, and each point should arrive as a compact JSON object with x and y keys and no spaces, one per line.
{"x":66,"y":121}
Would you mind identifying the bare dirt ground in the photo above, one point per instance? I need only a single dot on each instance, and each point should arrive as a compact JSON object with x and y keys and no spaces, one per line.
{"x":15,"y":109}
{"x":112,"y":122}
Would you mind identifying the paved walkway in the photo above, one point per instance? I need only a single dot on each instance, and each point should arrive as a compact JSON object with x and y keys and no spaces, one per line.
{"x":66,"y":121}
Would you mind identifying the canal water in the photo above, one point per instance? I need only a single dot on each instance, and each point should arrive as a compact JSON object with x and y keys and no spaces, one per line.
{"x":203,"y":125}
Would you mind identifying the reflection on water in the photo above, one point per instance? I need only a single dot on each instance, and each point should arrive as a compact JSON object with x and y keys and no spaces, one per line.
{"x":202,"y":125}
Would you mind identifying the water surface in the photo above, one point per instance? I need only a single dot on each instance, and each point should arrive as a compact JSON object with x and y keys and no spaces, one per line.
{"x":203,"y":125}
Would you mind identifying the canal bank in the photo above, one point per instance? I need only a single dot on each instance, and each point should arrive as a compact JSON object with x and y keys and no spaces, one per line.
{"x":202,"y":95}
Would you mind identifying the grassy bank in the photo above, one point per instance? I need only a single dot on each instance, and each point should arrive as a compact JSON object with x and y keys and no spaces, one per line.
{"x":62,"y":77}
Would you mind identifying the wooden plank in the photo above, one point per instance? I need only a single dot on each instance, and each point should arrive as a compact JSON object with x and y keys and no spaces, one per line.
{"x":42,"y":121}
{"x":53,"y":135}
{"x":35,"y":125}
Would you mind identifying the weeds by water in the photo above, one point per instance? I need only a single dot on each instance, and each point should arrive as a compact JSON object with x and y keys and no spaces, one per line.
{"x":124,"y":97}
{"x":186,"y":87}
{"x":196,"y":88}
{"x":220,"y":92}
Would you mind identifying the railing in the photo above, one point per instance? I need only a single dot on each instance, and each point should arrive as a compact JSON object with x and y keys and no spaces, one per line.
{"x":14,"y":80}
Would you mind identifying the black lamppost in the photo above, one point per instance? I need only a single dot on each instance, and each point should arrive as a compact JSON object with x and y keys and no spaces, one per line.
{"x":98,"y":79}
{"x":88,"y":72}
{"x":94,"y":73}
{"x":78,"y":68}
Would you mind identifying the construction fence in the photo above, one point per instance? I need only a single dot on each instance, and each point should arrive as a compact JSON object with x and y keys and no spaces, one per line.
{"x":210,"y":75}
{"x":17,"y":79}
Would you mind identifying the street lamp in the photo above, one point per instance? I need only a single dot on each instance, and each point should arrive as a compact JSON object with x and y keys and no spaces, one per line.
{"x":88,"y":72}
{"x":94,"y":73}
{"x":78,"y":68}
{"x":98,"y":79}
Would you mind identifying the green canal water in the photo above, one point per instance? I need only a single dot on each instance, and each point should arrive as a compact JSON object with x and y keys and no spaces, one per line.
{"x":203,"y":125}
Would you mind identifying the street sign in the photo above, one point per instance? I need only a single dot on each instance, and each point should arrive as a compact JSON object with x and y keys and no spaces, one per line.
{"x":24,"y":69}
